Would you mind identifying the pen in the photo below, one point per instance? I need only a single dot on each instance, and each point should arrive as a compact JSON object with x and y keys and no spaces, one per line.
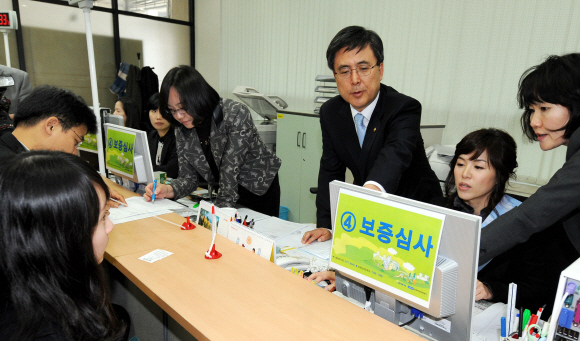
{"x":515,"y":324}
{"x":503,"y":327}
{"x":521,"y":322}
{"x":118,"y":202}
{"x":154,"y":186}
{"x":540,"y":311}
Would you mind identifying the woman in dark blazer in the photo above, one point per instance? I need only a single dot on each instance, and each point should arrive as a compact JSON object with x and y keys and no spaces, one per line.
{"x":549,"y":93}
{"x":161,"y":140}
{"x":216,"y":141}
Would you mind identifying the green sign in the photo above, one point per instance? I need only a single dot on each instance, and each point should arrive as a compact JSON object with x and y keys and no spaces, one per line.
{"x":89,"y":143}
{"x":119,"y":151}
{"x":394,"y":246}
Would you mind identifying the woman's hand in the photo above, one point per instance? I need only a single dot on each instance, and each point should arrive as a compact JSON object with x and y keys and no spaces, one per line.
{"x":320,"y":234}
{"x":325,"y":275}
{"x":115,"y":195}
{"x":161,"y":191}
{"x":482,"y":292}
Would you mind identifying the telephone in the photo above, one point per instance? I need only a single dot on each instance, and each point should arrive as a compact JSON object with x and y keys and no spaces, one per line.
{"x":288,"y":262}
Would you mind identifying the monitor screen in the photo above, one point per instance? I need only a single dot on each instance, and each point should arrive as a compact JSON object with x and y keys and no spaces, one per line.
{"x":127,"y":153}
{"x":411,"y":254}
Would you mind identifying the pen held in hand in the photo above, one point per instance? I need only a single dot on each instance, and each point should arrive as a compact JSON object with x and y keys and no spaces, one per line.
{"x":153,"y":195}
{"x":118,"y":202}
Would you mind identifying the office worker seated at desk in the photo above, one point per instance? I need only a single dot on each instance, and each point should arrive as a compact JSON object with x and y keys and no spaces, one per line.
{"x":53,"y":233}
{"x":370,"y":128}
{"x":51,"y":119}
{"x":217,"y":141}
{"x":161,"y":140}
{"x":548,"y":93}
{"x":484,"y":161}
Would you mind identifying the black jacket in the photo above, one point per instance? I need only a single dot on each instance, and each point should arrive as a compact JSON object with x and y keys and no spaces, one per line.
{"x":169,"y":162}
{"x":392,"y":154}
{"x":9,"y":146}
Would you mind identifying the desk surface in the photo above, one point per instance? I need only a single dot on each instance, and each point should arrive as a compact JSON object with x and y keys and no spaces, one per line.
{"x":239,"y":296}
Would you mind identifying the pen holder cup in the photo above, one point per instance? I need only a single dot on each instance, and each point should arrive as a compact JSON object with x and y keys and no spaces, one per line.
{"x":283,"y":213}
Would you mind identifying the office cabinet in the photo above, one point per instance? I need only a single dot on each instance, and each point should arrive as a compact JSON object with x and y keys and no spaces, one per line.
{"x":299,"y":146}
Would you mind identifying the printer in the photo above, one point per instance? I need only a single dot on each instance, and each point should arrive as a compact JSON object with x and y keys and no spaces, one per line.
{"x":439,"y":158}
{"x":267,"y":107}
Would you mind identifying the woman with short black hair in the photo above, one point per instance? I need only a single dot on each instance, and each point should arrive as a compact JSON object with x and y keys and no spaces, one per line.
{"x":53,"y":233}
{"x":549,"y":93}
{"x":216,"y":141}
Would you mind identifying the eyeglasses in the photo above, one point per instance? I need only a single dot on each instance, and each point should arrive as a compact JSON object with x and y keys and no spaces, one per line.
{"x":80,"y":138}
{"x":176,"y":111}
{"x":362,"y":70}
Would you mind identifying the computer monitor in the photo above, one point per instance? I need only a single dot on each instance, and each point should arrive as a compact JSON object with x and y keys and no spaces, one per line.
{"x":88,"y":150}
{"x":127,"y":153}
{"x":401,"y":253}
{"x":114,"y":119}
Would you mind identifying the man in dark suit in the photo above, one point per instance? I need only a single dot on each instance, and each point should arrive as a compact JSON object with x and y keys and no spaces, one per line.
{"x":370,"y":129}
{"x":51,"y":119}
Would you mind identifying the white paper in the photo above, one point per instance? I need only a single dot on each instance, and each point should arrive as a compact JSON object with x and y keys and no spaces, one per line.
{"x":159,"y":204}
{"x":294,"y":241}
{"x":276,"y":228}
{"x":156,"y":255}
{"x":488,"y":322}
{"x":137,"y":208}
{"x":319,"y":249}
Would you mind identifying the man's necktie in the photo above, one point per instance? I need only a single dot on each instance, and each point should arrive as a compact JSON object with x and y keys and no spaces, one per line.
{"x":360,"y":128}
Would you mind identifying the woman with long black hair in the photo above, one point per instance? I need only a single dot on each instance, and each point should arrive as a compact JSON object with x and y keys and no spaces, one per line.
{"x":54,"y":229}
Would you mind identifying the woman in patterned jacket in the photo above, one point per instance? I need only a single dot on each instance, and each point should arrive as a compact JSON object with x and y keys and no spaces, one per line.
{"x":218,"y":142}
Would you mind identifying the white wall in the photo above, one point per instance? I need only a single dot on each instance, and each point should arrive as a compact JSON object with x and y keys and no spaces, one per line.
{"x":164,"y":45}
{"x":207,"y":40}
{"x":461,"y":59}
{"x":61,"y":18}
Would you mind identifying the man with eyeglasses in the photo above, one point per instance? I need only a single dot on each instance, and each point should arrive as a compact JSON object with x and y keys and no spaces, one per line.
{"x":371,"y":129}
{"x":51,"y":119}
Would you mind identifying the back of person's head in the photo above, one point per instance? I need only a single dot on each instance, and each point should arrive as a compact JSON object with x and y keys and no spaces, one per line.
{"x":197,"y":97}
{"x":47,"y":101}
{"x":556,"y":81}
{"x":47,"y":260}
{"x":152,"y":103}
{"x":501,"y":153}
{"x":131,"y":109}
{"x":354,"y":37}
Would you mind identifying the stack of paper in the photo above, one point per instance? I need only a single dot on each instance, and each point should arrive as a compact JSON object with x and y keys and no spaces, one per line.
{"x":292,"y":245}
{"x":138,"y":208}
